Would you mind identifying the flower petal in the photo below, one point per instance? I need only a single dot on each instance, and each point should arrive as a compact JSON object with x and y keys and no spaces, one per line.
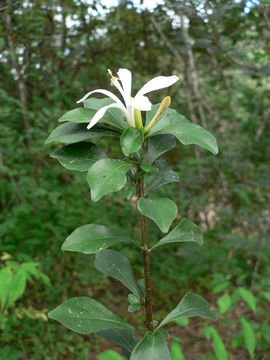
{"x":125,"y":77}
{"x":159,"y":82}
{"x":104,"y":92}
{"x":100,"y":113}
{"x":142,"y":103}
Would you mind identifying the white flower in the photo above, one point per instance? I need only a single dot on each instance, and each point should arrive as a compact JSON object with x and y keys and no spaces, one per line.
{"x":123,"y":84}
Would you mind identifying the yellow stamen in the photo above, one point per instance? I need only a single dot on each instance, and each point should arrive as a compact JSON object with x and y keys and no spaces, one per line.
{"x":165,"y":103}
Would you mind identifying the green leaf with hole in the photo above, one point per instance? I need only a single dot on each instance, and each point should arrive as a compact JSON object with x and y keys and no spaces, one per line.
{"x":85,"y":316}
{"x":69,"y":133}
{"x":249,"y":336}
{"x":92,"y":238}
{"x":106,"y":176}
{"x":158,"y":145}
{"x":191,"y":305}
{"x":78,"y":115}
{"x":186,"y":231}
{"x":78,"y":156}
{"x":161,"y":210}
{"x":116,"y":265}
{"x":187,"y":133}
{"x":151,"y":347}
{"x":131,"y":141}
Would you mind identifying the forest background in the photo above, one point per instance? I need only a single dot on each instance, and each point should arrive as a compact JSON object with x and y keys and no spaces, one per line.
{"x":51,"y":54}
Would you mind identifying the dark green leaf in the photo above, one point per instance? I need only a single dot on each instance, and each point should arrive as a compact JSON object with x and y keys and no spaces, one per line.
{"x":85,"y":316}
{"x":78,"y":115}
{"x":185,"y":231}
{"x":69,"y":133}
{"x":161,"y":210}
{"x":131,"y":141}
{"x":160,"y":176}
{"x":116,"y":265}
{"x":187,"y":133}
{"x":92,"y":238}
{"x":106,"y":176}
{"x":124,"y":338}
{"x":78,"y":156}
{"x":191,"y":305}
{"x":158,"y":145}
{"x":151,"y":347}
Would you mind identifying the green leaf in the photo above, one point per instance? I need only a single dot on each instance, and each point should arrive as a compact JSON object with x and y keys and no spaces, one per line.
{"x":85,"y":316}
{"x":110,"y":355}
{"x":131,"y":141}
{"x":158,"y":145}
{"x":161,"y":210}
{"x":116,"y":265}
{"x":176,"y":351}
{"x":151,"y":347}
{"x":160,"y":176}
{"x":249,"y":336}
{"x":124,"y":338}
{"x":248,"y":297}
{"x":182,"y":322}
{"x":92,"y":238}
{"x":78,"y":115}
{"x":186,"y":231}
{"x":224,"y":303}
{"x":17,"y":287}
{"x":219,"y":347}
{"x":133,"y":299}
{"x":134,"y":307}
{"x":5,"y":280}
{"x":78,"y":156}
{"x":187,"y":133}
{"x":106,"y":176}
{"x":191,"y":305}
{"x":69,"y":133}
{"x":113,"y":117}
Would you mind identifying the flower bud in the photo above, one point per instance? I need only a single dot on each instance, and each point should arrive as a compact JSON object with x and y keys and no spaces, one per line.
{"x":138,"y":119}
{"x":165,"y":103}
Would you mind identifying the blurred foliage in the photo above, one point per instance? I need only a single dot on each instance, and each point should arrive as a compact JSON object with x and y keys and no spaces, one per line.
{"x":51,"y":54}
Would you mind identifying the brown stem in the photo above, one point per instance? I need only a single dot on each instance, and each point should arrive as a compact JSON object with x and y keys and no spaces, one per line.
{"x":146,"y":261}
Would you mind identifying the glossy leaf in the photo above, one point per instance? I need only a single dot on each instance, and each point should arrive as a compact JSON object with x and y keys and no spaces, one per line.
{"x":124,"y":338}
{"x":78,"y":156}
{"x":219,"y":347}
{"x":158,"y":145}
{"x":113,"y":117}
{"x":161,"y":210}
{"x":151,"y":347}
{"x":187,"y":133}
{"x":131,"y":141}
{"x":92,"y":238}
{"x":106,"y":176}
{"x":249,"y":337}
{"x":160,"y":176}
{"x":85,"y":316}
{"x":78,"y":115}
{"x":186,"y":231}
{"x":116,"y":265}
{"x":191,"y":305}
{"x":176,"y":351}
{"x":69,"y":133}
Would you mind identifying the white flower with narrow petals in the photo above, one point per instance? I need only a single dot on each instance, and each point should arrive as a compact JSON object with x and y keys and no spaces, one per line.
{"x":123,"y":83}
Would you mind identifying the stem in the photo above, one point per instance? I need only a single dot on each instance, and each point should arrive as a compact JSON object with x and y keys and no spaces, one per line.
{"x":146,"y":261}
